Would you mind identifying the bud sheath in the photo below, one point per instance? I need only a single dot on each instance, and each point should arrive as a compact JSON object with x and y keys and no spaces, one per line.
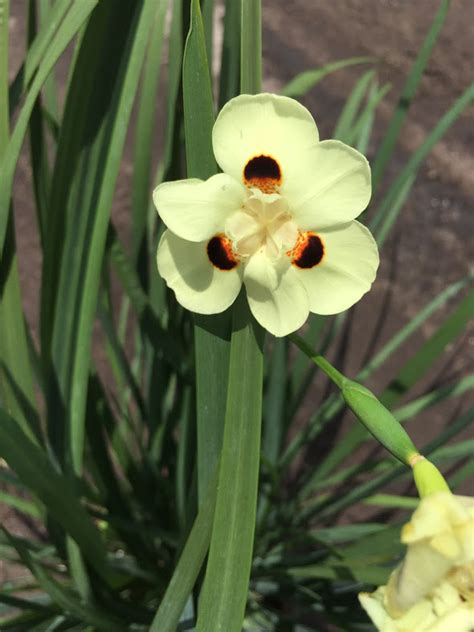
{"x":378,"y":420}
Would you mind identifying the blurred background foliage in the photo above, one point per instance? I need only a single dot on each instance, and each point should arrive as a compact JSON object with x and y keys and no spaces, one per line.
{"x":113,"y":397}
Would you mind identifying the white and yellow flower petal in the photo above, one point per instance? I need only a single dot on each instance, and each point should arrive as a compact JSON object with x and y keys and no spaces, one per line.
{"x":337,"y":268}
{"x":276,"y":297}
{"x":442,"y":611}
{"x":437,"y":570}
{"x":266,"y":141}
{"x":461,"y":619}
{"x":196,"y":209}
{"x":419,"y":618}
{"x":421,"y":571}
{"x":338,"y":191}
{"x":199,"y":285}
{"x":439,"y":538}
{"x":451,"y":512}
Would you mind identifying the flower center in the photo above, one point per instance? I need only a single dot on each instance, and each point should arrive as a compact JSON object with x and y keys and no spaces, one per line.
{"x":263,"y":222}
{"x":263,"y":173}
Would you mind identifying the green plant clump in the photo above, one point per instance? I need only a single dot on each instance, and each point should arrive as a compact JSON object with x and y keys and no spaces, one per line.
{"x":164,"y":461}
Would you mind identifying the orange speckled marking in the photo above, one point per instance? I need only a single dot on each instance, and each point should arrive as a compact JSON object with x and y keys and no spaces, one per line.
{"x":221,"y":254}
{"x":264,"y":173}
{"x":308,"y":251}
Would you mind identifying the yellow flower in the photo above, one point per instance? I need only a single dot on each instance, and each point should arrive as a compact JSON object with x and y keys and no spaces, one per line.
{"x":433,"y":588}
{"x":279,"y":219}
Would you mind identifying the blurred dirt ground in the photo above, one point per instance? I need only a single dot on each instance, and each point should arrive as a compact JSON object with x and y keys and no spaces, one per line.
{"x":433,"y":243}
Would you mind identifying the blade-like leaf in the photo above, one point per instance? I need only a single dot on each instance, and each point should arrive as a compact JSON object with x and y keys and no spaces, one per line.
{"x":408,"y":93}
{"x":224,"y":595}
{"x":345,"y":123}
{"x":189,"y":565}
{"x":400,"y":187}
{"x":74,"y":19}
{"x":307,"y":80}
{"x":251,"y":47}
{"x":229,"y":81}
{"x":94,"y":133}
{"x":34,"y":470}
{"x":211,"y":333}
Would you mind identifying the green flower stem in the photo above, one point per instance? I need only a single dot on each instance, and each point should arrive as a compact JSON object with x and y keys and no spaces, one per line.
{"x":332,"y":373}
{"x":224,"y":595}
{"x":378,"y":420}
{"x":428,"y":479}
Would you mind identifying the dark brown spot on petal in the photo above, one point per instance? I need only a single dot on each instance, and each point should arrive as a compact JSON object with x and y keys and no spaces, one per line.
{"x":308,"y":252}
{"x":220,"y":253}
{"x":264,"y":173}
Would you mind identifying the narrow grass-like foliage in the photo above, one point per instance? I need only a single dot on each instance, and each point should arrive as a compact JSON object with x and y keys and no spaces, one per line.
{"x":162,"y":461}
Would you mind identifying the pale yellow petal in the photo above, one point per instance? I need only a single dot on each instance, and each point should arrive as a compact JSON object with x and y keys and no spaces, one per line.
{"x":346,"y":272}
{"x":338,"y":191}
{"x":196,"y":209}
{"x":198,"y":285}
{"x":276,"y":298}
{"x":270,"y":125}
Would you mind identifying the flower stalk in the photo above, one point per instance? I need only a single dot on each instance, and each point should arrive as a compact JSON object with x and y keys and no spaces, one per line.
{"x":428,"y":479}
{"x":369,"y":410}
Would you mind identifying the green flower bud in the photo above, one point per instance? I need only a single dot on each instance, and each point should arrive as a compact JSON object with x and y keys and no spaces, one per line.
{"x":378,"y":420}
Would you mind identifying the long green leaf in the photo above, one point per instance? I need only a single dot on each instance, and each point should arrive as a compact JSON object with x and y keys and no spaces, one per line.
{"x":16,"y":378}
{"x":224,"y":594}
{"x":174,"y":111}
{"x":189,"y":565}
{"x":424,"y":358}
{"x":197,"y":99}
{"x":149,"y":319}
{"x":16,"y":384}
{"x":361,"y":132}
{"x":109,"y":79}
{"x":251,"y":47}
{"x":38,"y":147}
{"x":325,"y":507}
{"x":208,"y":21}
{"x":408,"y":93}
{"x":104,"y":82}
{"x":211,"y":333}
{"x":307,"y":80}
{"x":144,"y":137}
{"x":413,"y":408}
{"x":66,"y":599}
{"x":229,"y":81}
{"x":402,"y":182}
{"x":4,"y":59}
{"x":72,"y":22}
{"x":346,"y":121}
{"x":34,"y":470}
{"x":37,"y":50}
{"x":20,"y":504}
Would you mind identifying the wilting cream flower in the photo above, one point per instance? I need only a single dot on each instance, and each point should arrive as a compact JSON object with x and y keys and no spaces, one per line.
{"x":280,"y":219}
{"x":433,"y":588}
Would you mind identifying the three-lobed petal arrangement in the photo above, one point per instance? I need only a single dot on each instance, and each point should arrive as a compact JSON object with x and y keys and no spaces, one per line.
{"x":279,"y":219}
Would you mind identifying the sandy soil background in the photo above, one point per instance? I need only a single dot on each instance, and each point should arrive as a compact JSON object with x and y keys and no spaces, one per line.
{"x":433,"y":244}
